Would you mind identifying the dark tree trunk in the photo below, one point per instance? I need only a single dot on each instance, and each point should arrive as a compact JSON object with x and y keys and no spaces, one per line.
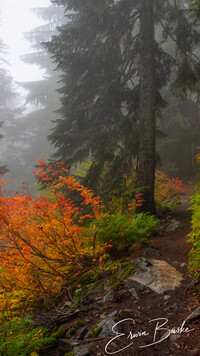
{"x":146,"y":167}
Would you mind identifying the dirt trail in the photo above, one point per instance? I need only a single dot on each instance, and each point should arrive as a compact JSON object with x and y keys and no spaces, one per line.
{"x":174,"y":306}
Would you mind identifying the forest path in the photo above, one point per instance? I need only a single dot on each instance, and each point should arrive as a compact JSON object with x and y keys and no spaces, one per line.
{"x":172,"y":245}
{"x":174,"y":249}
{"x":173,"y":306}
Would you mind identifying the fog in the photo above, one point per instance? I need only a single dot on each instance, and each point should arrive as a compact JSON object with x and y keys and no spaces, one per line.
{"x":26,"y":124}
{"x":29,"y":97}
{"x":17,"y":18}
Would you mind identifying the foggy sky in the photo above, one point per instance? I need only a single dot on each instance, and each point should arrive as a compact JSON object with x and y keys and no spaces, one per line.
{"x":16,"y":18}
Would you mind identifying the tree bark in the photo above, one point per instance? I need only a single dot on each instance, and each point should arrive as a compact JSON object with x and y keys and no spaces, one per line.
{"x":146,"y":167}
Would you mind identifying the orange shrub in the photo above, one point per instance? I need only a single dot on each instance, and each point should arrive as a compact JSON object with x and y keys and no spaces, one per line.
{"x":167,"y":190}
{"x":44,"y":240}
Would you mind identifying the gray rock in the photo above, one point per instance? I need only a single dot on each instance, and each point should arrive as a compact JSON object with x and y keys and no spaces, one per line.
{"x":195,"y":315}
{"x":106,"y":326}
{"x":150,"y":252}
{"x":129,"y":284}
{"x":174,"y":225}
{"x":109,"y":297}
{"x":156,"y":275}
{"x":133,"y":292}
{"x":183,"y":264}
{"x":114,"y":313}
{"x":82,"y":351}
{"x":82,"y":332}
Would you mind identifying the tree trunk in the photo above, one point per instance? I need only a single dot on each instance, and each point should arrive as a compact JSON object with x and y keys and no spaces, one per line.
{"x":146,"y":167}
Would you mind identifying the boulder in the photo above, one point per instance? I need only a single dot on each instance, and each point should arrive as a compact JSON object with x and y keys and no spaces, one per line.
{"x":103,"y":328}
{"x":174,"y":225}
{"x":156,"y":275}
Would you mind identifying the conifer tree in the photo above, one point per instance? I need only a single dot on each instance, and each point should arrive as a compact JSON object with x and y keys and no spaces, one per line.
{"x":115,"y":59}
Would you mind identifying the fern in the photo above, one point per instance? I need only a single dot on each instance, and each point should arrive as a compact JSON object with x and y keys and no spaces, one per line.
{"x":17,"y":339}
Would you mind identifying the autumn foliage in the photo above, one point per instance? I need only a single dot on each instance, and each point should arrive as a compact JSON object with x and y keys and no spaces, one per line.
{"x":167,"y":190}
{"x":43,"y":239}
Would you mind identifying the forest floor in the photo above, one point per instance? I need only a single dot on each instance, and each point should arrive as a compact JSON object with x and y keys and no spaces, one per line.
{"x":174,"y":250}
{"x":173,"y":306}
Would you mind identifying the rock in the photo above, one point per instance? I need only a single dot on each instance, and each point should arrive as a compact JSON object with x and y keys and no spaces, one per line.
{"x":102,"y":316}
{"x":115,"y":297}
{"x":174,"y":337}
{"x":103,"y":328}
{"x":82,"y":351}
{"x":106,"y":326}
{"x":156,"y":275}
{"x":183,"y":264}
{"x":175,"y":263}
{"x":109,"y":297}
{"x":133,"y":293}
{"x":67,"y":304}
{"x":129,"y":284}
{"x":114,"y":313}
{"x":150,"y":252}
{"x":166,"y":297}
{"x":195,"y":315}
{"x":174,"y":225}
{"x":177,"y":345}
{"x":82,"y":332}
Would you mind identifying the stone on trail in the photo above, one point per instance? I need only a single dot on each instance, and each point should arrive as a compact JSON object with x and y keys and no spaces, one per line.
{"x":195,"y":315}
{"x":156,"y":275}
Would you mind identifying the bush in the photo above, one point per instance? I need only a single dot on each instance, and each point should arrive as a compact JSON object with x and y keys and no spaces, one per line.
{"x":167,"y":190}
{"x":120,"y":231}
{"x":194,"y":237}
{"x":44,"y":241}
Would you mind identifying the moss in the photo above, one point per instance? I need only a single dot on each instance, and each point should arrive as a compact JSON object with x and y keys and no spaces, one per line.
{"x":95,"y":331}
{"x":84,"y":278}
{"x":70,"y":332}
{"x":78,"y":323}
{"x":60,"y":332}
{"x":125,"y":271}
{"x":69,"y":353}
{"x":101,"y":286}
{"x":84,"y":284}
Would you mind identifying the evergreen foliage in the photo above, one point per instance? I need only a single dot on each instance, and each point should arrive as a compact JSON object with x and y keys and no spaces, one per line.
{"x":98,"y":51}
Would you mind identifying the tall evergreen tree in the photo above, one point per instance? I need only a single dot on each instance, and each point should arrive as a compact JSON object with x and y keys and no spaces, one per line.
{"x":115,"y":61}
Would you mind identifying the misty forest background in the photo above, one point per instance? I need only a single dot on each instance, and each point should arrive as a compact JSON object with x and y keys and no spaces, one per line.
{"x":32,"y":127}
